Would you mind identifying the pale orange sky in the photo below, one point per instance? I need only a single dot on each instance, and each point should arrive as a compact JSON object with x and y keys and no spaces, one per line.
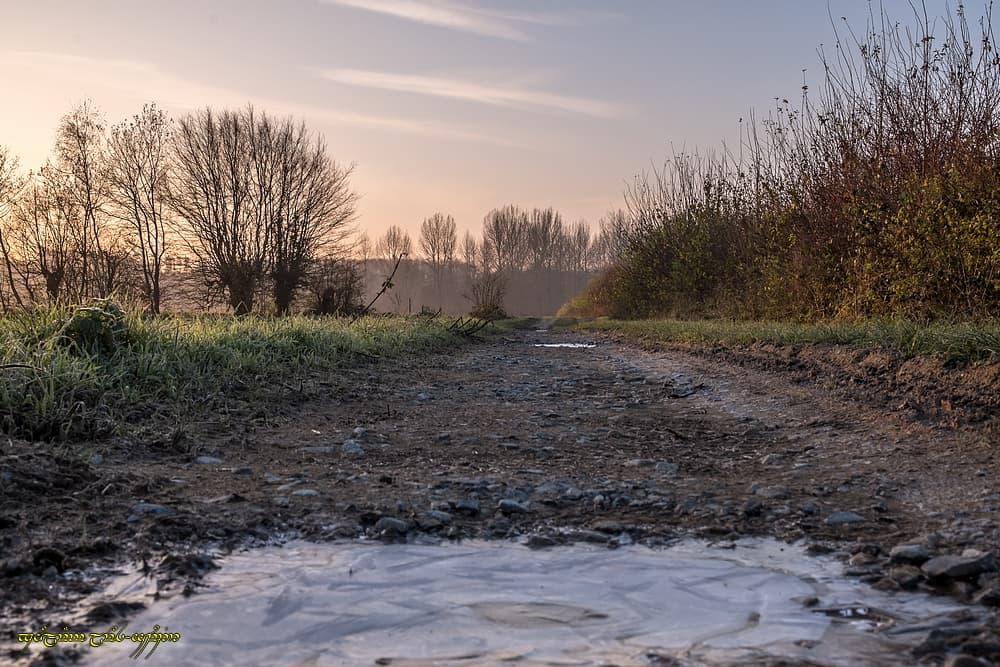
{"x":457,"y":106}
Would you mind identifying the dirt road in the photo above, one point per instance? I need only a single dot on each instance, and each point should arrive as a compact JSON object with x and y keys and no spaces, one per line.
{"x":534,"y":434}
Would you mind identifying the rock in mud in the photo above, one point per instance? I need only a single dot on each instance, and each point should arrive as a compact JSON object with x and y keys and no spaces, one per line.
{"x":989,"y":596}
{"x":541,"y":542}
{"x":667,"y":468}
{"x":352,"y":447}
{"x":140,"y":510}
{"x":319,"y":449}
{"x":508,"y":506}
{"x":468,"y":506}
{"x":906,"y":576}
{"x":753,"y":507}
{"x":622,"y":540}
{"x":305,"y":492}
{"x":389,"y":526}
{"x":442,"y":517}
{"x":773,"y":492}
{"x":809,"y":508}
{"x":843,"y":518}
{"x":912,"y":554}
{"x":959,"y":567}
{"x":608,"y":526}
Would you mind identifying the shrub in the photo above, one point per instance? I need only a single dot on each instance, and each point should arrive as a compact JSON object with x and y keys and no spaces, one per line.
{"x":880,"y":198}
{"x":95,"y":328}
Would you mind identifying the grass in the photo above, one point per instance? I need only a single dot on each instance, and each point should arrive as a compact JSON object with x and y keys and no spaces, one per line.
{"x":958,"y":342}
{"x":53,"y":391}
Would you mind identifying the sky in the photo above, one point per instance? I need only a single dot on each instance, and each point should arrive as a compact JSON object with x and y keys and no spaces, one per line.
{"x":452,"y":106}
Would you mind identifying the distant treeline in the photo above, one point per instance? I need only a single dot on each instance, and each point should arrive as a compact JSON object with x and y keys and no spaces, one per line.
{"x":524,"y":263}
{"x":239,"y":211}
{"x":880,"y":197}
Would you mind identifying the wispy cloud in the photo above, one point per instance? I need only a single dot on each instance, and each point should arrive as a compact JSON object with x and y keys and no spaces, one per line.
{"x":144,"y":81}
{"x":565,"y":17}
{"x":449,"y":16}
{"x":504,"y":96}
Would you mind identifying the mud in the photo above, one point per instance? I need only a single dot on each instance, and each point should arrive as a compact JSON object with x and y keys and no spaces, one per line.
{"x":504,"y":439}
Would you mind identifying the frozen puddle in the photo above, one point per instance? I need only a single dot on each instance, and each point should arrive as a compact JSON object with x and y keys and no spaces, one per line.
{"x":488,"y":603}
{"x":572,"y":345}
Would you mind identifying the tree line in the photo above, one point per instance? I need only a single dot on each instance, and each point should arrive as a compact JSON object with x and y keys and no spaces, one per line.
{"x":251,"y":210}
{"x":524,"y":262}
{"x":255,"y":202}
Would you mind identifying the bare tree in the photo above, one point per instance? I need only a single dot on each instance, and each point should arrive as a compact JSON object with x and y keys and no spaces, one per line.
{"x":470,"y":252}
{"x":506,"y":230}
{"x":137,"y":173}
{"x":578,"y":246}
{"x":363,"y":248}
{"x":314,"y":203}
{"x":394,"y":243}
{"x":10,"y":187}
{"x":212,"y":190}
{"x":45,"y":238}
{"x":544,"y":234}
{"x":612,"y":239}
{"x":80,"y":155}
{"x":260,"y":200}
{"x":438,"y":239}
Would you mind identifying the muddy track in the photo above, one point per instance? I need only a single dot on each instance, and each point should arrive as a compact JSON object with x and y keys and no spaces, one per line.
{"x":505,"y":438}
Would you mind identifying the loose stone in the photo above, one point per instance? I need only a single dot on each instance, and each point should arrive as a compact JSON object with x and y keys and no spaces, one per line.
{"x":468,"y":506}
{"x":323,"y":449}
{"x":608,"y":526}
{"x":914,"y":554}
{"x":775,"y":492}
{"x":389,"y":526}
{"x":842,"y":518}
{"x":667,"y":468}
{"x":144,"y":509}
{"x":352,"y":447}
{"x":508,"y":506}
{"x":440,"y":516}
{"x":959,"y":567}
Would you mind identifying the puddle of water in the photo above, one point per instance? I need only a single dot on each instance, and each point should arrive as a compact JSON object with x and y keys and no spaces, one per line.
{"x":487,"y":603}
{"x":571,"y":345}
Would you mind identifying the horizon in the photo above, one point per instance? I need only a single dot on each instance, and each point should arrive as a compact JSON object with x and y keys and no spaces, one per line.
{"x":460,"y":109}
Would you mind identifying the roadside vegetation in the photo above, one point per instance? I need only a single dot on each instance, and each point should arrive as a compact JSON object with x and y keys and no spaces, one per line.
{"x":877,"y":196}
{"x":956,"y":342}
{"x":86,"y":373}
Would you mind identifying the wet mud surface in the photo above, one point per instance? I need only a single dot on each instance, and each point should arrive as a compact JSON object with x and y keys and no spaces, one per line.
{"x":891,"y":468}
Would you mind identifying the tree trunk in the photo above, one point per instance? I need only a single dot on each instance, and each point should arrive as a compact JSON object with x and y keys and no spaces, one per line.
{"x":241,"y":298}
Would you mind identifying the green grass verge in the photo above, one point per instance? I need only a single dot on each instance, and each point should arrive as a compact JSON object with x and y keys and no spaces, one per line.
{"x":51,"y":391}
{"x":958,"y":342}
